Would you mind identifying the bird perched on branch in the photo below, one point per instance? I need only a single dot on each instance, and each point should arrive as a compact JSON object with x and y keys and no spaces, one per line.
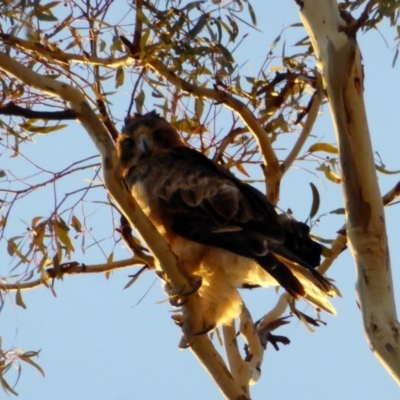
{"x":220,"y":228}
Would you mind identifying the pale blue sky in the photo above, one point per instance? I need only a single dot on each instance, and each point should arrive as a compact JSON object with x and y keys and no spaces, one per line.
{"x":96,"y":344}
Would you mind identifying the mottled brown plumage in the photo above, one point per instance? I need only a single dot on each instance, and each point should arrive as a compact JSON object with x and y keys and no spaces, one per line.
{"x":219,"y":227}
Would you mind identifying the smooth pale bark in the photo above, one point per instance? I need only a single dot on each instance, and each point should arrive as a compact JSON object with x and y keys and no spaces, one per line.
{"x":339,"y":59}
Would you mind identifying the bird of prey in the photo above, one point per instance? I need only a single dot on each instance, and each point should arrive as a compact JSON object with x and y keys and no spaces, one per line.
{"x":220,"y":228}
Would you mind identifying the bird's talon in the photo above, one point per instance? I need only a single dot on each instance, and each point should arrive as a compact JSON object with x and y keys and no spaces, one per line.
{"x":161,"y":275}
{"x":184,"y":344}
{"x":177,"y":301}
{"x":178,"y":319}
{"x":207,"y":329}
{"x":196,"y":282}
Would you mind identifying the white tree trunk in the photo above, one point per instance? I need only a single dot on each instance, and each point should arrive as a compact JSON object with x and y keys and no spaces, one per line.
{"x":339,"y":59}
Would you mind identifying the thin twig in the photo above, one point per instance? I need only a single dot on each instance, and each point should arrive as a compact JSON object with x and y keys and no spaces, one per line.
{"x":340,"y":242}
{"x":237,"y":366}
{"x":308,"y":125}
{"x":63,"y":56}
{"x":72,"y":268}
{"x":254,"y":349}
{"x":12,"y":109}
{"x":138,"y":27}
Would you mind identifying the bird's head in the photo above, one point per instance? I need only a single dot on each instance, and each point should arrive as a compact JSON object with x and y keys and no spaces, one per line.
{"x":147,"y":135}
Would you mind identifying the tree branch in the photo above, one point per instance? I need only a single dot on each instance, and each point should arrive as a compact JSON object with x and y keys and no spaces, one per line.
{"x":63,"y":57}
{"x":270,"y":159}
{"x":340,"y":242}
{"x":308,"y":125}
{"x":138,"y":27}
{"x":228,"y":100}
{"x":72,"y":268}
{"x":237,"y":366}
{"x":12,"y":109}
{"x":254,"y":349}
{"x":391,"y":195}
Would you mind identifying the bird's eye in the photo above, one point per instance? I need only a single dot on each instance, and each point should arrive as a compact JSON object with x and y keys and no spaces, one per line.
{"x":129,"y":143}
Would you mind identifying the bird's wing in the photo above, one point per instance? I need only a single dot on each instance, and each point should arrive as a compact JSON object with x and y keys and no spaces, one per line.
{"x":205,"y":203}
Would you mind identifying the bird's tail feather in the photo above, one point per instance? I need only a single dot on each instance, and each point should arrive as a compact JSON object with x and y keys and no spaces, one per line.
{"x":316,"y":287}
{"x":299,"y":280}
{"x":282,"y":274}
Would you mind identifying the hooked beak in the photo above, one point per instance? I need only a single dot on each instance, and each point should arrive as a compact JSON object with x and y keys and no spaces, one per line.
{"x":144,"y":145}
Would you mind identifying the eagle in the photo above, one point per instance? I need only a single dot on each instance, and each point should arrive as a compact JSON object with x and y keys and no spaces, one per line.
{"x":220,"y":228}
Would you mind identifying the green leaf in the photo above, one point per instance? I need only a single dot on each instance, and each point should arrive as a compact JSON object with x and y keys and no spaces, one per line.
{"x":332,"y":175}
{"x":316,"y":201}
{"x":143,"y":17}
{"x":277,"y":123}
{"x":240,"y":168}
{"x":139,"y":101}
{"x":76,"y":224}
{"x":381,"y":168}
{"x":339,"y":211}
{"x":47,"y":17}
{"x":12,"y":248}
{"x":252,"y":15}
{"x":336,"y":290}
{"x":135,"y":277}
{"x":143,"y":41}
{"x":218,"y":24}
{"x":63,"y":224}
{"x":199,"y":105}
{"x":119,"y":77}
{"x":226,"y":53}
{"x":328,"y":148}
{"x":201,"y":22}
{"x":183,"y":125}
{"x":42,"y":129}
{"x":396,"y":54}
{"x":18,"y":299}
{"x":102,"y":45}
{"x":62,"y":25}
{"x":117,"y":44}
{"x":329,"y":173}
{"x":302,"y":318}
{"x":50,"y":5}
{"x":27,"y":357}
{"x":34,"y":222}
{"x":62,"y":235}
{"x":192,"y":5}
{"x":7,"y":387}
{"x":39,"y":235}
{"x":56,"y":265}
